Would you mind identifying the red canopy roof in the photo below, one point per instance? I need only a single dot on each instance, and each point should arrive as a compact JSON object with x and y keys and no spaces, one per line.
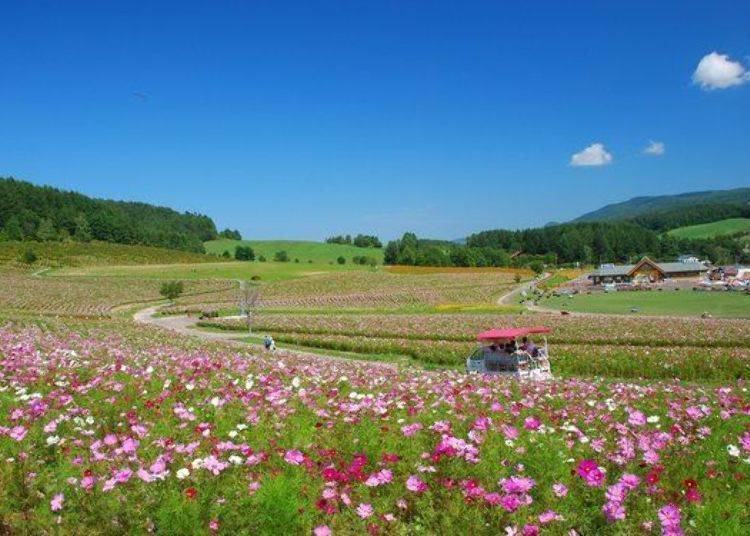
{"x":510,"y":333}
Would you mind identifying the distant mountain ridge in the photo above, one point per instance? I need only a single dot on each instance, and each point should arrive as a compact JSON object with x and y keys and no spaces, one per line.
{"x":639,"y":206}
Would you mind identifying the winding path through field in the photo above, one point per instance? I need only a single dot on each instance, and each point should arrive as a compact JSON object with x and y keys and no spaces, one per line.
{"x":184,"y":325}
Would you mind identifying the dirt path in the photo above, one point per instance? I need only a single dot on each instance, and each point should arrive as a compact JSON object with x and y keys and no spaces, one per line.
{"x":512,"y":296}
{"x":184,"y":325}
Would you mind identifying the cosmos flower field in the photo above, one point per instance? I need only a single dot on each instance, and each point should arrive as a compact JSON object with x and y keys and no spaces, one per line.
{"x":105,"y":429}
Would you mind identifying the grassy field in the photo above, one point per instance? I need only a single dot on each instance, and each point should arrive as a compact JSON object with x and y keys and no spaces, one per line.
{"x":679,"y":303}
{"x":95,"y":253}
{"x":305,"y":251}
{"x":710,"y":230}
{"x":267,"y":271}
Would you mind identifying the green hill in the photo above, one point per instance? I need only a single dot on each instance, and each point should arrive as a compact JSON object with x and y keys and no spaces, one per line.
{"x":713,"y":229}
{"x":43,"y":213}
{"x":305,"y":251}
{"x":639,"y":206}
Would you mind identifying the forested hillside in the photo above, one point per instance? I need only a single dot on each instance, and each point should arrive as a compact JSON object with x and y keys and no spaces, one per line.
{"x":639,"y":206}
{"x":30,"y":212}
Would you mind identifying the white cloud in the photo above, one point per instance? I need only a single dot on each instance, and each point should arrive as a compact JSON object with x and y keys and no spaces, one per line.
{"x":717,"y":71}
{"x":593,"y":155}
{"x":655,"y":148}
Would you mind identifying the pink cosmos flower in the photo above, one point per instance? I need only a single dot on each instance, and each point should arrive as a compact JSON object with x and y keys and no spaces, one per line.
{"x":670,"y":516}
{"x":322,"y":530}
{"x":87,"y":482}
{"x":614,"y":511}
{"x":591,"y":473}
{"x":560,"y":490}
{"x":416,"y":484}
{"x":493,"y":498}
{"x":510,"y":503}
{"x":637,"y":418}
{"x":630,"y":481}
{"x":18,"y":433}
{"x":532,"y":423}
{"x":123,"y":475}
{"x":517,"y":484}
{"x":294,"y":457}
{"x":530,"y":530}
{"x":130,"y":445}
{"x":365,"y":510}
{"x":56,"y":503}
{"x":411,"y":429}
{"x":548,"y":517}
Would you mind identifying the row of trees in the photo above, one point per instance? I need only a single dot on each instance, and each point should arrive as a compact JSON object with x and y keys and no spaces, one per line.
{"x":361,"y":241}
{"x":585,"y":243}
{"x":231,"y":234}
{"x":30,"y":212}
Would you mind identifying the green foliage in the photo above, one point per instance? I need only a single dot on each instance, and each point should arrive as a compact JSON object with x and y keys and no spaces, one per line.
{"x":537,"y":267}
{"x":28,"y":257}
{"x":360,"y":241}
{"x":28,"y":211}
{"x":46,"y":231}
{"x":281,"y":256}
{"x":262,"y":259}
{"x":13,"y":229}
{"x":172,"y":290}
{"x":411,"y":251}
{"x":231,"y":234}
{"x":364,"y":260}
{"x":226,"y":254}
{"x":82,"y":231}
{"x":244,"y":253}
{"x":341,"y":260}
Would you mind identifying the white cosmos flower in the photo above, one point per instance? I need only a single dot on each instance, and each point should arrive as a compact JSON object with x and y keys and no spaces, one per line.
{"x":232,"y":434}
{"x":189,"y":386}
{"x":733,"y":451}
{"x":183,"y":473}
{"x":296,"y":382}
{"x":235,"y":460}
{"x":53,"y":440}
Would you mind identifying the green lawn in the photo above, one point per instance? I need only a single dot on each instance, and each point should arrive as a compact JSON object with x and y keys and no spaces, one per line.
{"x":305,"y":251}
{"x":268,"y":271}
{"x":683,"y":303}
{"x":710,"y":230}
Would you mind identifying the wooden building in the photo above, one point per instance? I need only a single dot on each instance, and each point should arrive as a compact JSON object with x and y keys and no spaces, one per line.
{"x":646,"y":271}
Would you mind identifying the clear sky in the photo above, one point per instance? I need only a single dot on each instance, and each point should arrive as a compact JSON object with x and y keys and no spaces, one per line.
{"x":300,"y":120}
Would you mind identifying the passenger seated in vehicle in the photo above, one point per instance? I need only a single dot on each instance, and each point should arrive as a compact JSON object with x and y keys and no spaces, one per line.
{"x":529,"y":347}
{"x":510,"y":347}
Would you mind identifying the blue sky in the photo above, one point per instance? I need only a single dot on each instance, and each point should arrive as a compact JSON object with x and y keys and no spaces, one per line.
{"x":300,"y":120}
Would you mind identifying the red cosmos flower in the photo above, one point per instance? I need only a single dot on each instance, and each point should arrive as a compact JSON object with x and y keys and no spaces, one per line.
{"x":391,"y":458}
{"x":88,"y":472}
{"x":690,"y":483}
{"x":652,"y":477}
{"x":190,"y":493}
{"x":692,"y":495}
